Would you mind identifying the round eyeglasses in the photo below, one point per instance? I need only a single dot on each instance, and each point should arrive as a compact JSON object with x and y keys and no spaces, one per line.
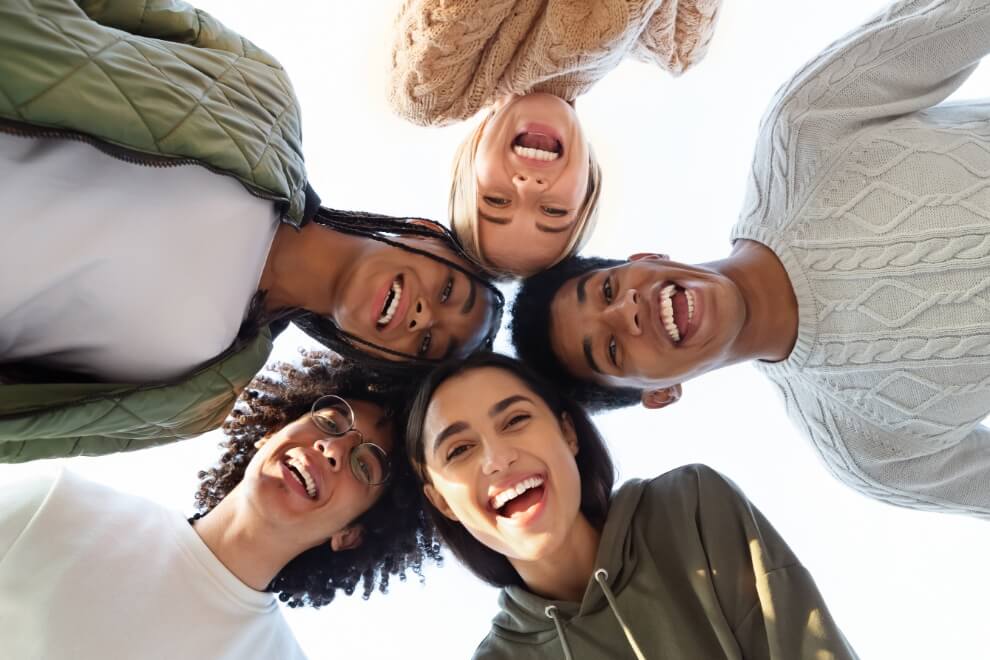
{"x":368,"y":462}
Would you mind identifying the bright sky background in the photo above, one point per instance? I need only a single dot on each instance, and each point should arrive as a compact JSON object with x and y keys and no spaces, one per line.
{"x":901,"y":584}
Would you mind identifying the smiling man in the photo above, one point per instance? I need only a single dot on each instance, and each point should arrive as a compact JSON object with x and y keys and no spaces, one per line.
{"x":857,"y":278}
{"x":306,"y":501}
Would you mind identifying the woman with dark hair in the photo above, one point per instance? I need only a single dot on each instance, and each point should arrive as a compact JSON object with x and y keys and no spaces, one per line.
{"x":308,"y":498}
{"x":519,"y":485}
{"x":162,"y":232}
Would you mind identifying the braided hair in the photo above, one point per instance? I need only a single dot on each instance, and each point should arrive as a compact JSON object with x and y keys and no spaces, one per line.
{"x":397,"y":536}
{"x":385,"y":229}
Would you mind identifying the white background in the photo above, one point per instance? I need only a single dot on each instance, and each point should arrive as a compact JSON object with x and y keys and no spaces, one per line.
{"x":901,"y":584}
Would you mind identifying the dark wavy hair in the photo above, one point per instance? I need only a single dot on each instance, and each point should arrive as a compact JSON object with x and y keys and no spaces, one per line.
{"x":387,"y":229}
{"x":531,"y":327}
{"x":397,"y":535}
{"x":594,"y":463}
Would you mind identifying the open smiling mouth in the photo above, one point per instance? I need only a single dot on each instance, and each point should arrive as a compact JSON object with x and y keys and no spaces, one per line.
{"x":302,"y":475}
{"x":537,"y":146}
{"x":391,"y":303}
{"x":519,"y":498}
{"x":676,"y":311}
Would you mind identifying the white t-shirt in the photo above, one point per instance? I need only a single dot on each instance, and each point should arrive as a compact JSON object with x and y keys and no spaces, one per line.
{"x":120,"y":271}
{"x":88,"y":572}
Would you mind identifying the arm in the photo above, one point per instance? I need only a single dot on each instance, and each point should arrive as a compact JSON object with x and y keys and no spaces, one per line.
{"x":172,"y":20}
{"x":678,"y":33}
{"x":769,"y":599}
{"x":20,"y":499}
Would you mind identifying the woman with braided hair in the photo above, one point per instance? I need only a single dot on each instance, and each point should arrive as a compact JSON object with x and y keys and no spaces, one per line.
{"x":163,"y":232}
{"x":311,"y":496}
{"x":526,"y":183}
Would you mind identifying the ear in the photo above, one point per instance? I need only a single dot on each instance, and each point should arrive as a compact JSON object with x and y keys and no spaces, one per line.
{"x":347,"y":538}
{"x":570,"y":435}
{"x":649,"y":256}
{"x":428,"y":224}
{"x":661,"y":398}
{"x":438,"y":501}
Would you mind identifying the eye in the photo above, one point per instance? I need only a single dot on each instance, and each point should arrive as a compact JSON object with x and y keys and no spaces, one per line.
{"x":498,"y":202}
{"x":516,"y":419}
{"x":607,"y":290}
{"x":365,"y":469}
{"x":554,"y":212}
{"x":456,"y":451}
{"x":424,"y":344}
{"x":613,"y":349}
{"x":447,"y":289}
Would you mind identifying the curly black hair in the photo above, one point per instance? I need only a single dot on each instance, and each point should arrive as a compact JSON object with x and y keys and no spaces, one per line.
{"x":531,"y":329}
{"x":397,"y":535}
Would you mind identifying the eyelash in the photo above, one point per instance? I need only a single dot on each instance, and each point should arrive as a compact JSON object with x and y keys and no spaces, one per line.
{"x":516,"y":419}
{"x":607,"y":290}
{"x":424,"y":345}
{"x":456,"y":451}
{"x":496,"y":201}
{"x":448,"y":288}
{"x":613,"y":351}
{"x":554,"y":212}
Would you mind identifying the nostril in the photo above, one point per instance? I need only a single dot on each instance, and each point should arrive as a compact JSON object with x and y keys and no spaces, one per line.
{"x":419,"y":306}
{"x":412,"y":324}
{"x":332,"y":460}
{"x":636,"y":320}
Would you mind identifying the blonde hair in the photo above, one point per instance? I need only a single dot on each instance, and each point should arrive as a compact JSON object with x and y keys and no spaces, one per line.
{"x":463,"y":208}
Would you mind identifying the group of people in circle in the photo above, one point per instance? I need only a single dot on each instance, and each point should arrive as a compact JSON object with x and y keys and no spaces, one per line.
{"x":166,"y":233}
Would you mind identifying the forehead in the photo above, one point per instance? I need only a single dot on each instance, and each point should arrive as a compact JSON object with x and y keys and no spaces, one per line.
{"x":471,"y":393}
{"x":370,"y":419}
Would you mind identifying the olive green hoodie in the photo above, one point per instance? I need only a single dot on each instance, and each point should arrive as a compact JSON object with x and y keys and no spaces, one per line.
{"x":686,"y":568}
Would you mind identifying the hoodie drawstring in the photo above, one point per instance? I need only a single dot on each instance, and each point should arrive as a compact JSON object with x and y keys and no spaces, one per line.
{"x":551,"y":612}
{"x":601,"y":575}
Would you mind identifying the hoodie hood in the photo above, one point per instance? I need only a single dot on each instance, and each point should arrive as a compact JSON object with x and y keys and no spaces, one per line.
{"x":523,"y":616}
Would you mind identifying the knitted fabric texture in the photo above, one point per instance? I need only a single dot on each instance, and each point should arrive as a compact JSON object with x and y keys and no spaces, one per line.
{"x":452,"y":58}
{"x":877,"y":202}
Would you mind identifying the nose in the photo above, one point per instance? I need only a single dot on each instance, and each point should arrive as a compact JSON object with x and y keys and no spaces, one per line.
{"x":623,"y":313}
{"x":498,"y":456}
{"x":336,"y":450}
{"x":525,"y":182}
{"x":420,"y":316}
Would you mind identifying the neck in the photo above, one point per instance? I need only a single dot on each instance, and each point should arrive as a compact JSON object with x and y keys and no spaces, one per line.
{"x":564,"y":574}
{"x":246,"y":547}
{"x":770,"y":328}
{"x":306,"y":267}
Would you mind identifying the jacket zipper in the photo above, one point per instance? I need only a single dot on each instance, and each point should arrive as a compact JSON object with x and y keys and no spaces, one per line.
{"x":127,"y":155}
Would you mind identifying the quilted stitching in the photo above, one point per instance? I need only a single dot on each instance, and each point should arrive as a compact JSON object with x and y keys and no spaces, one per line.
{"x":204,"y":87}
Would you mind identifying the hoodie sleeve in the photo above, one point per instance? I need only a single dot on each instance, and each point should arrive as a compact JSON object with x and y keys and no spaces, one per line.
{"x":769,"y":599}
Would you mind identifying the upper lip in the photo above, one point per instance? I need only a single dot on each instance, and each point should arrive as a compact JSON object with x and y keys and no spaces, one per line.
{"x":316,"y":464}
{"x":509,"y":482}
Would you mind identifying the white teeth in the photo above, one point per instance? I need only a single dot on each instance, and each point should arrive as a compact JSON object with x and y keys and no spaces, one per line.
{"x":538,"y":154}
{"x":667,"y":312}
{"x":307,"y":481}
{"x":512,"y":492}
{"x":390,"y":308}
{"x":690,"y":302}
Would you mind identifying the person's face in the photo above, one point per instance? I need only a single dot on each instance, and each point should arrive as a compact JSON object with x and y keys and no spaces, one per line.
{"x":501,"y":463}
{"x":649,"y":323}
{"x":301,"y":481}
{"x":413,"y":304}
{"x":532,"y":173}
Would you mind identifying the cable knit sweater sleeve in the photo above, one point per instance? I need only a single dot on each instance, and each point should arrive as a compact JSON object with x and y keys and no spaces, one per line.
{"x":451,"y":58}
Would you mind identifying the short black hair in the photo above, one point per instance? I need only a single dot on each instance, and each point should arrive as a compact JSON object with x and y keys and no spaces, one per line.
{"x":531,"y":329}
{"x":397,"y":534}
{"x":594,"y":463}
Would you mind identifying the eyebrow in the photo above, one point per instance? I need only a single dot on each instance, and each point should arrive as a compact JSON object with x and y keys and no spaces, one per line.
{"x":581,"y":296}
{"x":453,"y":429}
{"x":554,"y":230}
{"x":492,"y":218}
{"x":589,"y":358}
{"x":472,"y":294}
{"x":506,"y":402}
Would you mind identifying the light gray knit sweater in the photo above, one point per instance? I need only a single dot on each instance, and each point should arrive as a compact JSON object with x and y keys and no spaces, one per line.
{"x":877,"y":202}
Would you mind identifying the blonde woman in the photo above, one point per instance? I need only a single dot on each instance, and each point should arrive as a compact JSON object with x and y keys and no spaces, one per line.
{"x":526,"y":183}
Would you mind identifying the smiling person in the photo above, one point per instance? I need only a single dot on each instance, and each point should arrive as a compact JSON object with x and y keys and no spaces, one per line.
{"x":307,"y":500}
{"x":856,"y":278}
{"x":162,"y":232}
{"x":526,"y":183}
{"x":680,"y":566}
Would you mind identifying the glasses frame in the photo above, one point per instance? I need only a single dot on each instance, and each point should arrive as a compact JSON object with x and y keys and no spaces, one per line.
{"x":319,"y":423}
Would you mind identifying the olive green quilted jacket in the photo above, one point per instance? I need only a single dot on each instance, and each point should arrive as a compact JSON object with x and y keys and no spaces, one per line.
{"x":155,"y":82}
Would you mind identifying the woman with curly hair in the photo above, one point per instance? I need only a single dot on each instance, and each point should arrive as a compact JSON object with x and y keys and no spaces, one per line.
{"x":298,"y":505}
